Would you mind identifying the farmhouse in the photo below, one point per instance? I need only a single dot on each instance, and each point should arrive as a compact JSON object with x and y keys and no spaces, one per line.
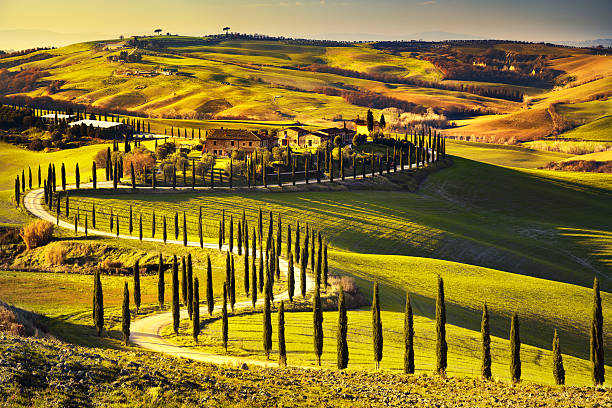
{"x":103,"y":124}
{"x":299,"y":137}
{"x":345,"y":134}
{"x":361,"y":126}
{"x":57,"y":116}
{"x":221,"y":142}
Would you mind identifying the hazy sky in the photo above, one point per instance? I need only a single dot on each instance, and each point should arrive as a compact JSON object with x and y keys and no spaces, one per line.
{"x":535,"y":20}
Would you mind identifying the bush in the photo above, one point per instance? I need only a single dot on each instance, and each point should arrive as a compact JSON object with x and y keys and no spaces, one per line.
{"x":165,"y":150}
{"x":9,"y":323}
{"x":207,"y":162}
{"x":36,"y":145}
{"x":141,"y":159}
{"x":37,"y":233}
{"x":56,"y":255}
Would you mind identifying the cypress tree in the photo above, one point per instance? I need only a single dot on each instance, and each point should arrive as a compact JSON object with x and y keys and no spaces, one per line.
{"x":224,"y":316}
{"x":200,"y":235}
{"x":39,"y":176}
{"x":137,"y":286}
{"x":231,"y":234}
{"x":288,"y":240}
{"x":279,"y":236}
{"x":173,"y":177}
{"x":515,"y":349}
{"x":408,"y":338}
{"x":319,"y":260}
{"x":93,"y":213}
{"x":297,"y":243}
{"x":184,"y":280}
{"x":175,"y":295}
{"x":317,"y":313}
{"x":596,"y":342}
{"x":342,"y":343}
{"x":485,"y":331}
{"x":94,"y":175}
{"x":77,"y":176}
{"x":267,"y":322}
{"x":125,"y":315}
{"x":189,"y":286}
{"x":239,"y":239}
{"x":184,"y":229}
{"x":377,"y":335}
{"x":325,"y":267}
{"x":290,"y":278}
{"x":210,"y":300}
{"x":176,"y":226}
{"x":131,"y":224}
{"x":165,"y":230}
{"x":117,"y":224}
{"x":253,"y":283}
{"x":140,"y":228}
{"x":153,"y":225}
{"x":195,"y":306}
{"x":17,"y":192}
{"x":261,"y":270}
{"x":232,"y":284}
{"x":133,"y":174}
{"x":246,"y":272}
{"x":282,"y":350}
{"x":161,"y":288}
{"x":312,"y":253}
{"x":63,"y":177}
{"x":99,"y":304}
{"x":441,"y":346}
{"x":303,"y":273}
{"x":557,"y":361}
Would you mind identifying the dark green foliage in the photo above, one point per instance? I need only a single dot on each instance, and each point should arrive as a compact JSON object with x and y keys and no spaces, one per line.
{"x":557,"y":361}
{"x":18,"y":192}
{"x":224,"y":317}
{"x":125,"y":315}
{"x":161,"y":287}
{"x":485,"y":331}
{"x":441,"y":346}
{"x":231,"y":234}
{"x":515,"y":349}
{"x":98,"y":300}
{"x":94,"y":176}
{"x":220,"y":235}
{"x":63,"y":176}
{"x":325,"y":267}
{"x":189,"y":286}
{"x":288,"y":240}
{"x":184,"y":280}
{"x":131,"y":224}
{"x":342,"y":343}
{"x":175,"y":295}
{"x":200,"y":235}
{"x":377,"y":336}
{"x":253,"y":282}
{"x":282,"y":349}
{"x":77,"y":176}
{"x":184,"y":230}
{"x":596,"y":343}
{"x":232,"y":283}
{"x":408,"y":338}
{"x":317,"y":317}
{"x":290,"y":278}
{"x":247,"y":275}
{"x":133,"y":174}
{"x":239,"y":239}
{"x":303,"y":273}
{"x":176,"y":225}
{"x":195,"y":321}
{"x":210,"y":300}
{"x":137,"y":286}
{"x":165,"y":230}
{"x":267,"y":321}
{"x":140,"y":228}
{"x":298,"y":250}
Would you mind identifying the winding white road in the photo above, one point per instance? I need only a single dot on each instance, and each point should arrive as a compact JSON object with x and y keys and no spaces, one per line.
{"x":146,"y":331}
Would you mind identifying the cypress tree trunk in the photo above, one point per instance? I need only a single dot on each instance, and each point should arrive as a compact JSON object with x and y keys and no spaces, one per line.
{"x":317,"y":324}
{"x":189,"y":286}
{"x":486,"y":343}
{"x":184,"y":281}
{"x":267,"y":322}
{"x":515,"y":350}
{"x":137,"y":286}
{"x":441,"y":346}
{"x":224,"y":317}
{"x":175,"y":296}
{"x":377,"y":335}
{"x":195,"y":321}
{"x":408,"y":338}
{"x":161,"y":287}
{"x":210,"y":300}
{"x":342,"y":344}
{"x":557,"y":360}
{"x":282,"y":350}
{"x":63,"y":177}
{"x":125,"y":315}
{"x":290,"y":278}
{"x":597,"y":343}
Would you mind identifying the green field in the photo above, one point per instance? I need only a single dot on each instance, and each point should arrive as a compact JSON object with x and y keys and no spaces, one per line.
{"x":600,"y":129}
{"x":245,"y":340}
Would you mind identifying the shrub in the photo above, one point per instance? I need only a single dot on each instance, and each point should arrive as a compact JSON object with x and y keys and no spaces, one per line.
{"x":36,"y":145}
{"x":37,"y":233}
{"x":141,"y":159}
{"x":9,"y":323}
{"x":56,"y":255}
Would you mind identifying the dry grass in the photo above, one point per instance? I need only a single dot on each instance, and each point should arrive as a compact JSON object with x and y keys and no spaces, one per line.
{"x":56,"y":255}
{"x":9,"y":323}
{"x":37,"y":233}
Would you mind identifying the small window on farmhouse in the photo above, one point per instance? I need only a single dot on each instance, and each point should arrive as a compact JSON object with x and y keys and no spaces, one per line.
{"x":214,"y":142}
{"x":310,"y":143}
{"x":250,"y":144}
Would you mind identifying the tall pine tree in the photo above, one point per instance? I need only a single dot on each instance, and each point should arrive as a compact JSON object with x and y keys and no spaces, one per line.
{"x":408,"y":338}
{"x":557,"y":361}
{"x":377,"y":336}
{"x":597,"y":343}
{"x":195,"y":321}
{"x":317,"y":312}
{"x":341,"y":333}
{"x":161,"y":287}
{"x":125,"y":315}
{"x":175,"y":295}
{"x":485,"y":332}
{"x":210,"y":299}
{"x":282,"y":350}
{"x":515,"y":349}
{"x":441,"y":346}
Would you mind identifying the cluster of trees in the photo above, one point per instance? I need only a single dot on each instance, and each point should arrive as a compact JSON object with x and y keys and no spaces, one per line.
{"x":20,"y":81}
{"x":372,"y":99}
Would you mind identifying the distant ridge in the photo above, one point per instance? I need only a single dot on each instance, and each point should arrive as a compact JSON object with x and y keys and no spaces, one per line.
{"x":604,"y":42}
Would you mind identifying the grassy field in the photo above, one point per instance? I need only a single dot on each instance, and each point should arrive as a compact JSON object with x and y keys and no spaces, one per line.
{"x":464,"y":348}
{"x":599,"y":129}
{"x":569,"y":146}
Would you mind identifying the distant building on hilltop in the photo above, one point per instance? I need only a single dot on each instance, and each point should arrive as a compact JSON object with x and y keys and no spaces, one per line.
{"x":221,"y":142}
